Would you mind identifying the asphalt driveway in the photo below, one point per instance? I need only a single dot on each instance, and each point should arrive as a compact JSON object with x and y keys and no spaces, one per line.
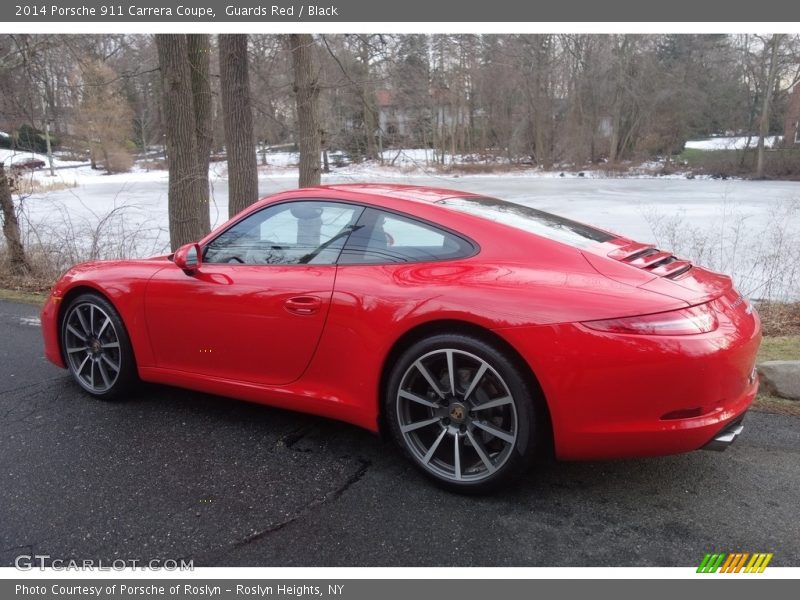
{"x":173,"y":474}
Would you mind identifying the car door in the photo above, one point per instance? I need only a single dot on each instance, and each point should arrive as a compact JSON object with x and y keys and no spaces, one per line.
{"x":256,"y":308}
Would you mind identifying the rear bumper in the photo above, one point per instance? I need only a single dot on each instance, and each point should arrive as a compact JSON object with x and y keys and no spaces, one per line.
{"x":622,"y":396}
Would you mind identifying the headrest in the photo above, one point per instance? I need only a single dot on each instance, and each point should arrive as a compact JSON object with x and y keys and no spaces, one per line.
{"x":306,"y":212}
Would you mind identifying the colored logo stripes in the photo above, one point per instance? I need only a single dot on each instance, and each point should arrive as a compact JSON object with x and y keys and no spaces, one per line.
{"x":735,"y":563}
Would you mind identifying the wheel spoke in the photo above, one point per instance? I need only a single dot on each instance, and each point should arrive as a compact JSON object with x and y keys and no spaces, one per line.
{"x":103,"y":327}
{"x":419,"y":424}
{"x":498,"y":433}
{"x":429,"y":455}
{"x":91,"y":373}
{"x":91,"y":319}
{"x":107,"y":360}
{"x":74,"y":350}
{"x":418,"y":399}
{"x":476,"y":380}
{"x":481,"y":451}
{"x":451,"y":372}
{"x":76,"y":333}
{"x":103,"y":374}
{"x":83,"y":364}
{"x":110,"y":345}
{"x":82,"y":321}
{"x":431,"y":382}
{"x":457,"y":454}
{"x":494,"y":403}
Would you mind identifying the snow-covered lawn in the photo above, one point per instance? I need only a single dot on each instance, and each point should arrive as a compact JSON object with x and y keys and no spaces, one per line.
{"x":731,"y":143}
{"x":745,"y":228}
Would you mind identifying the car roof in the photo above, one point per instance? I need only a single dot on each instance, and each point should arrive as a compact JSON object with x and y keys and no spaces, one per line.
{"x":416,"y":193}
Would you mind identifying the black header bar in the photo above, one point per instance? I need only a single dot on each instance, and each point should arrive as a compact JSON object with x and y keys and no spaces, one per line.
{"x":402,"y":11}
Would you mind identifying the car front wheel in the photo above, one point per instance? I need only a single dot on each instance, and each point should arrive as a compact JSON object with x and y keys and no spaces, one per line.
{"x":462,"y":412}
{"x":96,"y":347}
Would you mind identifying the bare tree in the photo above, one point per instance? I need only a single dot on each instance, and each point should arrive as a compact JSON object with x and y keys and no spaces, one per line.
{"x":199,"y":52}
{"x":238,"y":121}
{"x":16,"y":252}
{"x":306,"y":89}
{"x":105,"y":118}
{"x":188,"y":195}
{"x":771,"y":47}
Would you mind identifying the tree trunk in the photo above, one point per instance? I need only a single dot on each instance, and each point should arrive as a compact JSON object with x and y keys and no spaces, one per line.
{"x":188,"y":213}
{"x":199,"y":52}
{"x":367,"y":102}
{"x":768,"y":91}
{"x":323,"y":142}
{"x":16,"y":252}
{"x":306,"y":90}
{"x":238,"y":120}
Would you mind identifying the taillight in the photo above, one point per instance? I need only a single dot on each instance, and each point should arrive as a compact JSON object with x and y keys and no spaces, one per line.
{"x":686,"y":321}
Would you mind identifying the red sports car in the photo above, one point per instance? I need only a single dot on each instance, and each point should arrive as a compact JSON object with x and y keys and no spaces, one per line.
{"x":474,"y":331}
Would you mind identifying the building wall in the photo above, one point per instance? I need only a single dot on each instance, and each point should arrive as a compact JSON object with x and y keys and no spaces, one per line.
{"x":791,"y":129}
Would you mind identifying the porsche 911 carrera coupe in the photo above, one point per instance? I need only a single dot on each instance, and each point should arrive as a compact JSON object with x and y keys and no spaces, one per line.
{"x":475,"y":332}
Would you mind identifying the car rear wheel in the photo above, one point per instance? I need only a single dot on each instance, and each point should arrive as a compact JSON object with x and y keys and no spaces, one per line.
{"x":462,"y":412}
{"x":96,"y":347}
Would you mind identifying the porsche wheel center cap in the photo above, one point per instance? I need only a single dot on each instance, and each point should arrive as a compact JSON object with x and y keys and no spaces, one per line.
{"x":458,"y":412}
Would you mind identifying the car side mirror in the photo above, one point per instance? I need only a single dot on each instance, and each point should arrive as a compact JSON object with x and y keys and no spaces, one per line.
{"x":189,"y":258}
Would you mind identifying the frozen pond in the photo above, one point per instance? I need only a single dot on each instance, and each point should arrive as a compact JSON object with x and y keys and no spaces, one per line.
{"x":749,"y":229}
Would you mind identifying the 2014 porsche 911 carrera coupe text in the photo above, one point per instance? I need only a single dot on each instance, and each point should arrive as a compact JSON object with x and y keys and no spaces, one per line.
{"x":474,"y":331}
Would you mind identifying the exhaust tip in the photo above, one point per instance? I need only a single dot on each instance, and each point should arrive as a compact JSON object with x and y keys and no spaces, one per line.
{"x":725,"y":437}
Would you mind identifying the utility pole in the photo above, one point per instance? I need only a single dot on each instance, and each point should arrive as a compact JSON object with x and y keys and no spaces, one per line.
{"x":47,"y":138}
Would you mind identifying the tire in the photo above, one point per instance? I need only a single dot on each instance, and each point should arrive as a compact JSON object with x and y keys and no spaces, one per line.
{"x":96,"y":348}
{"x":474,"y":440}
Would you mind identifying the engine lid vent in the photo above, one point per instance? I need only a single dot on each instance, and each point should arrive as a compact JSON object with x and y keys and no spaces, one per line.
{"x":650,"y":258}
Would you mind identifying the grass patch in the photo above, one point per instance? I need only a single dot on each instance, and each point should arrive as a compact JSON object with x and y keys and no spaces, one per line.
{"x":25,"y":297}
{"x":780,"y":163}
{"x":695,"y":157}
{"x":30,"y":185}
{"x":779,"y":347}
{"x":779,"y":406}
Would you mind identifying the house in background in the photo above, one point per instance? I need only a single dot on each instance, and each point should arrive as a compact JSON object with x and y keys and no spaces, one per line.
{"x":392,"y":119}
{"x":791,"y":128}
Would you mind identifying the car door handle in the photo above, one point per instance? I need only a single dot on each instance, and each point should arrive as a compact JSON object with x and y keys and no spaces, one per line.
{"x":303,"y":305}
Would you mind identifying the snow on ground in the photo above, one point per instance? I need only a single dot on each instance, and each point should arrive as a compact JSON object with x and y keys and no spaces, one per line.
{"x":750,"y":229}
{"x":732,"y":143}
{"x":10,"y":157}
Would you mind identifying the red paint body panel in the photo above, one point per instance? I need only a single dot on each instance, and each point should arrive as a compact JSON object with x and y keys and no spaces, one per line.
{"x":233,"y":322}
{"x":243,"y":330}
{"x":608,"y":393}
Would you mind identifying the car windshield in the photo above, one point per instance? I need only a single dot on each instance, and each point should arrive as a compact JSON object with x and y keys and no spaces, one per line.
{"x":530,"y":219}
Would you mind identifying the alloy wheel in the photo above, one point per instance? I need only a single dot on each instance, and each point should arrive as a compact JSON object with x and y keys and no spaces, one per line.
{"x":92,"y":347}
{"x":457,"y":415}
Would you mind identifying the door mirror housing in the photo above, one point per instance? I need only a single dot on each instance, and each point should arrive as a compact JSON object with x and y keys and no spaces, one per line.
{"x":188,"y":258}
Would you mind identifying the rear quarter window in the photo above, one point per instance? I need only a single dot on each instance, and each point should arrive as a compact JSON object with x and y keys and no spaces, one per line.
{"x":384,"y":237}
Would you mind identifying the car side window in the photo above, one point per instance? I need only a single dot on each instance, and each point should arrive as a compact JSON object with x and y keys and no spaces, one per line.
{"x":300,"y":232}
{"x":384,"y":237}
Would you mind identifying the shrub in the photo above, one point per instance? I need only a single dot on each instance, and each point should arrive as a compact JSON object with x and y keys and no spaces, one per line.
{"x":32,"y":139}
